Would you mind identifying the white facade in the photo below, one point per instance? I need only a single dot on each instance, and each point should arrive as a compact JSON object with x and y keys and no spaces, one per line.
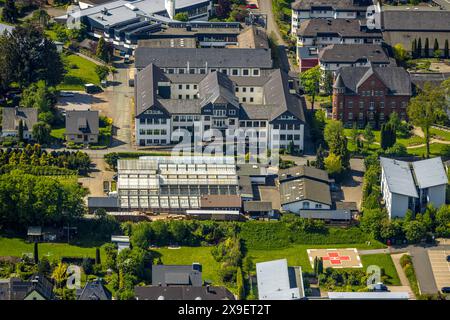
{"x":295,"y":207}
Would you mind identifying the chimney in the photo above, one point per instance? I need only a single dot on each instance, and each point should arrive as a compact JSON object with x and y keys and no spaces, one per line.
{"x":170,"y":7}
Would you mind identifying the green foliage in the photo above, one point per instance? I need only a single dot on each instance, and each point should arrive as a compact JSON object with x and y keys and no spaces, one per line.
{"x":181,"y":16}
{"x":310,"y":82}
{"x":337,"y":141}
{"x":102,"y":72}
{"x":28,"y":56}
{"x":33,"y":200}
{"x":10,"y":13}
{"x":41,"y":132}
{"x":103,"y":50}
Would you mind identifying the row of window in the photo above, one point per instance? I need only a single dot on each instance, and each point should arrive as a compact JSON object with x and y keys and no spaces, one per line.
{"x":187,"y":86}
{"x":372,"y":104}
{"x":244,"y":89}
{"x":370,"y":116}
{"x":153,"y":121}
{"x":233,"y":72}
{"x":153,"y":132}
{"x":286,"y":126}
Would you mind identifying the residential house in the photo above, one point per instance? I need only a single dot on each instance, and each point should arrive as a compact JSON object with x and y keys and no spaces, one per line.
{"x":38,"y":287}
{"x":177,"y":275}
{"x":412,"y":186}
{"x":303,"y":10}
{"x":259,"y":106}
{"x":277,"y":281}
{"x":94,"y":290}
{"x":304,"y":188}
{"x":11,"y":118}
{"x":336,"y":56}
{"x":182,"y":293}
{"x":82,"y":126}
{"x":324,"y":32}
{"x":370,"y":94}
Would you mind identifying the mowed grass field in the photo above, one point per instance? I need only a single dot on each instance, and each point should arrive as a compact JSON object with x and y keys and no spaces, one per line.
{"x":385,"y":262}
{"x":79,"y":72}
{"x":54,"y":251}
{"x":188,"y":255}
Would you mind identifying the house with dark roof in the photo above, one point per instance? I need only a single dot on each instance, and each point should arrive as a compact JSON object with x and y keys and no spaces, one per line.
{"x":168,"y":103}
{"x":324,"y":32}
{"x":94,"y":290}
{"x":336,"y":56}
{"x":12,"y":117}
{"x":236,"y":62}
{"x":370,"y":94}
{"x":38,"y":287}
{"x":406,"y":25}
{"x":182,"y":293}
{"x":303,"y":10}
{"x":304,"y":188}
{"x":82,"y":126}
{"x":177,"y":275}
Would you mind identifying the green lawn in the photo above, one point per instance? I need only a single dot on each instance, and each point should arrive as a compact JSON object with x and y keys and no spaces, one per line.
{"x":17,"y":247}
{"x":440,"y":134}
{"x":58,"y":133}
{"x":79,"y":72}
{"x":296,"y":255}
{"x":384,"y":261}
{"x":188,"y":255}
{"x":435,"y":150}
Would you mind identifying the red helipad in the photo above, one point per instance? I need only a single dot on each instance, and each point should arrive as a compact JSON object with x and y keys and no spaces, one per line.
{"x":336,"y":258}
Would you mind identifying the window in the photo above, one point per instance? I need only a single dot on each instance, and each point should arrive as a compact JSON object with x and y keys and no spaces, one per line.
{"x":232,"y":112}
{"x":244,"y":99}
{"x":350,"y":116}
{"x":192,"y":71}
{"x":235,"y":72}
{"x":244,"y":89}
{"x":142,"y":121}
{"x":188,"y":87}
{"x":195,"y":87}
{"x":256,"y":72}
{"x":251,"y":99}
{"x":306,"y":205}
{"x":180,"y":86}
{"x":202,"y":71}
{"x":180,"y":96}
{"x":350,"y":104}
{"x":252,"y":89}
{"x":181,"y":71}
{"x":361,"y":104}
{"x":245,"y":72}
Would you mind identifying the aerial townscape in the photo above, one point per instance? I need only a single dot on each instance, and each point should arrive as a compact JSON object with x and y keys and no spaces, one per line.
{"x":224,"y":150}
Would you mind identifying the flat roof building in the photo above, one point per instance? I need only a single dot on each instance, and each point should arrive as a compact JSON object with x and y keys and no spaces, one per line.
{"x":277,"y":281}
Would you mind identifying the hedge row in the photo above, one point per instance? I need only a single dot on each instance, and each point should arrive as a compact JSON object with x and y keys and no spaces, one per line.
{"x":37,"y":170}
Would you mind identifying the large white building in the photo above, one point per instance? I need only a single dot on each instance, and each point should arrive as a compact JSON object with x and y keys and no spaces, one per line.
{"x":260,"y":105}
{"x":412,"y":186}
{"x":303,"y":10}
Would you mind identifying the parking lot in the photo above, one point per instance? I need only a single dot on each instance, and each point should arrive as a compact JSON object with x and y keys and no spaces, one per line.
{"x":440,"y":266}
{"x":80,"y":101}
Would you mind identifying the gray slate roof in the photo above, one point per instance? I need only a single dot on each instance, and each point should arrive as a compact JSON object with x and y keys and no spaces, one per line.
{"x":254,"y":206}
{"x":344,"y":28}
{"x":146,"y":83}
{"x":202,"y":57}
{"x":82,"y":122}
{"x":305,"y":189}
{"x":353,"y":53}
{"x":408,"y":20}
{"x":165,"y":275}
{"x":297,"y":172}
{"x":216,"y":87}
{"x":396,"y":79}
{"x":399,"y":177}
{"x":430,"y":172}
{"x":94,"y":290}
{"x":338,"y":5}
{"x":183,"y":293}
{"x":12,"y":116}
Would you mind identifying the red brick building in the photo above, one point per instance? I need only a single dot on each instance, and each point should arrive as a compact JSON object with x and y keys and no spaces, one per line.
{"x":370,"y":94}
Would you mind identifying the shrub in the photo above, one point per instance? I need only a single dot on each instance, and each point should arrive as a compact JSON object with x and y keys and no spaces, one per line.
{"x":405,"y":260}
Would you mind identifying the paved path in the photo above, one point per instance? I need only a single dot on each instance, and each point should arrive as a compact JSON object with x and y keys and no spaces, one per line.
{"x":373,"y":251}
{"x":265,"y":6}
{"x":401,"y":274}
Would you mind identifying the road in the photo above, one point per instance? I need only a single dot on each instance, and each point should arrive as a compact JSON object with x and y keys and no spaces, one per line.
{"x":265,"y":6}
{"x":422,"y":265}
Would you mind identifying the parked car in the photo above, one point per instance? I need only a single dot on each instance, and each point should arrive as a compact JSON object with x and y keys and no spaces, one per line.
{"x":251,"y":6}
{"x":445,"y":290}
{"x":448,"y":258}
